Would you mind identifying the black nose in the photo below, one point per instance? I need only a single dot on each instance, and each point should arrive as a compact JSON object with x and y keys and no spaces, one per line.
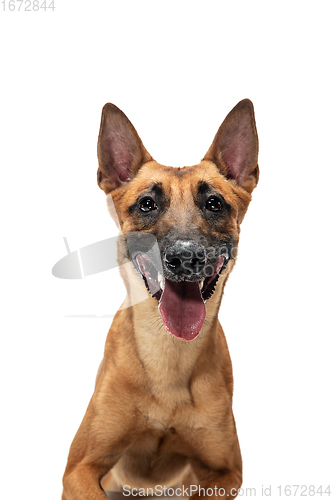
{"x":185,"y":258}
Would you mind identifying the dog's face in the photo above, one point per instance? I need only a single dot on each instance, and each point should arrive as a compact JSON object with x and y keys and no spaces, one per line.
{"x":192,"y":213}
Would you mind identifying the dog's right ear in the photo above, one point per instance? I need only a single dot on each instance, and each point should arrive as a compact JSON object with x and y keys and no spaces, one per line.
{"x":120,"y":150}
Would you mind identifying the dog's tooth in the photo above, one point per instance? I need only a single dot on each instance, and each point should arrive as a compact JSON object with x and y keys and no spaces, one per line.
{"x":201,"y":284}
{"x":160,"y":280}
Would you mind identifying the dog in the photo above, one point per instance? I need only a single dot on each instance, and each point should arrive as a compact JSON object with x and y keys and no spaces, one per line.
{"x":161,"y":413}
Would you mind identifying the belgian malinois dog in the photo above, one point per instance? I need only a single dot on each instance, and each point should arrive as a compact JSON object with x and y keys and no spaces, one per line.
{"x":161,"y":417}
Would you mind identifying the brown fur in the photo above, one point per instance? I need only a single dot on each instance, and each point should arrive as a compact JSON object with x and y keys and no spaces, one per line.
{"x":161,"y":413}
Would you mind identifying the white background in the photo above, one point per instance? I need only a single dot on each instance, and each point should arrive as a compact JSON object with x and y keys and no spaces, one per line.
{"x":176,"y":69}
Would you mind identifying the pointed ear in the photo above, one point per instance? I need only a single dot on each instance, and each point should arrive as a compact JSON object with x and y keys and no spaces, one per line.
{"x":120,"y":150}
{"x":235,"y":146}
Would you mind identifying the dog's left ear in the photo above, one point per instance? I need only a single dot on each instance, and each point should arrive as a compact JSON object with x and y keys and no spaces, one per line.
{"x":120,"y":150}
{"x":235,"y":146}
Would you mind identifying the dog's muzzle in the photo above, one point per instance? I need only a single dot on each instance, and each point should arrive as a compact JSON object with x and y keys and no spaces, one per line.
{"x":181,"y":277}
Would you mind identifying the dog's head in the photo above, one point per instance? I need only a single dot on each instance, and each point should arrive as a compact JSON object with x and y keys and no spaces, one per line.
{"x":181,"y":224}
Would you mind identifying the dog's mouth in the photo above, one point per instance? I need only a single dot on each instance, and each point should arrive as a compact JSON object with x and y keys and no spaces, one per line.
{"x":181,"y":303}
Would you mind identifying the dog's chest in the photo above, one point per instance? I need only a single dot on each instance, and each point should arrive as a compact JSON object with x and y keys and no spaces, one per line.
{"x":168,"y":396}
{"x":162,"y":414}
{"x":168,"y":368}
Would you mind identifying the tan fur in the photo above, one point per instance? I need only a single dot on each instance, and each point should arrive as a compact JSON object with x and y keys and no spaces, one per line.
{"x":161,"y":413}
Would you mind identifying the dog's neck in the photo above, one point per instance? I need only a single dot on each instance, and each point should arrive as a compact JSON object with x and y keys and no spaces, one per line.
{"x":170,"y":362}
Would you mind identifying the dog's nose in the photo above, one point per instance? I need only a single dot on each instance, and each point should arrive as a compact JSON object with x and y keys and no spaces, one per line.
{"x":185,"y":258}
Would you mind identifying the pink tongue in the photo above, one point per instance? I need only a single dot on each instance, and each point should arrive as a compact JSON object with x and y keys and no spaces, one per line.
{"x":182,"y":309}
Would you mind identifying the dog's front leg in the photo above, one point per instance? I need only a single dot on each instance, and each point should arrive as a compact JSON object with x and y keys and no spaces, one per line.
{"x":218,"y":464}
{"x":97,"y":446}
{"x":83,"y":481}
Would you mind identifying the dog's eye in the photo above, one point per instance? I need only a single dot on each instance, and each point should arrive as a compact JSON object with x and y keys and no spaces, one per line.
{"x":147,"y":204}
{"x":214,"y":204}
